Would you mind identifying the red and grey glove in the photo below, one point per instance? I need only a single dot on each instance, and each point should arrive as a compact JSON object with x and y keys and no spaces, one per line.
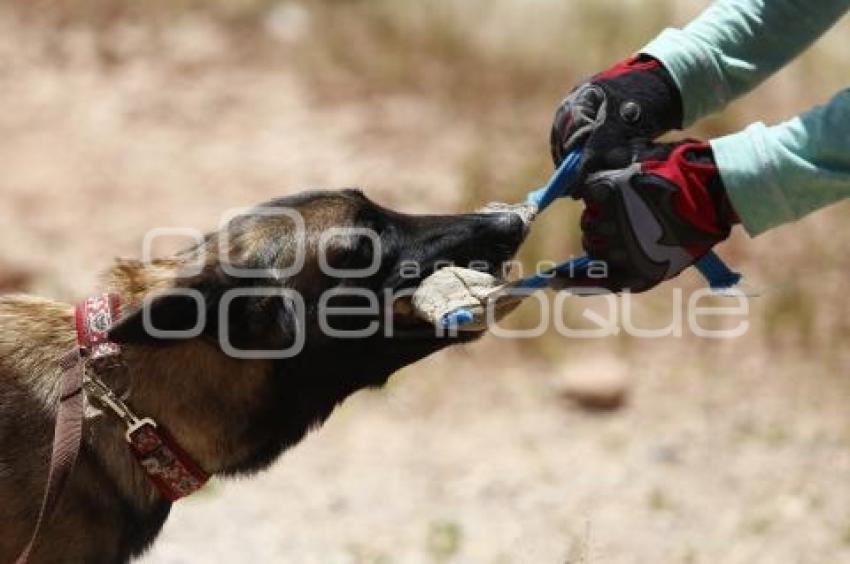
{"x":634,"y":100}
{"x":656,"y":216}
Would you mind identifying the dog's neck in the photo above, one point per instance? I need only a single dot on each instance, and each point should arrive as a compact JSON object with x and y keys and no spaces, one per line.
{"x":198,"y":393}
{"x":231,"y":415}
{"x":190,"y":387}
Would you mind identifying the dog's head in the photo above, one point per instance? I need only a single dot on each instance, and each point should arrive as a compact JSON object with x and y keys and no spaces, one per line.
{"x":318,"y":279}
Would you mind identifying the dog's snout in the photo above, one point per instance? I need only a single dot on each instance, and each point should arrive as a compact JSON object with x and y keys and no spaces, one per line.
{"x":507,"y":226}
{"x":491,"y":237}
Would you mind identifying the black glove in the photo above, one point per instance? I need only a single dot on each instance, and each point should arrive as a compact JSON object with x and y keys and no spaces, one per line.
{"x":633,"y":100}
{"x":658,"y":214}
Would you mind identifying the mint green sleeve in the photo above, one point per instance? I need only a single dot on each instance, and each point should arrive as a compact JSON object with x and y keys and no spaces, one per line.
{"x":734,"y":45}
{"x":774,"y":175}
{"x":777,"y":174}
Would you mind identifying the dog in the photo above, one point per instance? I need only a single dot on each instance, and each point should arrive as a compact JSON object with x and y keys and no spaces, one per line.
{"x":233,"y":413}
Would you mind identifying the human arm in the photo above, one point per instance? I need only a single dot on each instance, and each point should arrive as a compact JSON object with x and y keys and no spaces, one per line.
{"x":774,"y":175}
{"x":734,"y":45}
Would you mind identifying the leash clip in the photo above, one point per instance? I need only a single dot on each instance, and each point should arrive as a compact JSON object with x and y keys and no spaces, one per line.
{"x":108,"y":398}
{"x":135,"y":426}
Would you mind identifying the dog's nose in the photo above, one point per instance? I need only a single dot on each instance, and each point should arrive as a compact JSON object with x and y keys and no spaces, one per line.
{"x":507,"y":226}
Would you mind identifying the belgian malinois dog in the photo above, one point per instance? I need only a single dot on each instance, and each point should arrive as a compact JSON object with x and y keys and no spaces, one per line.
{"x":233,"y":414}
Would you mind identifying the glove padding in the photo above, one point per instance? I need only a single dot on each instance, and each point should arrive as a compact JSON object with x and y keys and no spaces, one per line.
{"x":636,"y":99}
{"x":658,"y":214}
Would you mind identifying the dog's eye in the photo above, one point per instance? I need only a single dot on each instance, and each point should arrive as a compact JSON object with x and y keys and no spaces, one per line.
{"x":357,"y":252}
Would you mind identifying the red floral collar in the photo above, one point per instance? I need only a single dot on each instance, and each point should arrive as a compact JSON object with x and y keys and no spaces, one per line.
{"x":171,"y":469}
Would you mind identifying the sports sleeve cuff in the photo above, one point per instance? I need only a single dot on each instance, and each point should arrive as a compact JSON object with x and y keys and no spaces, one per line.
{"x":751,"y":179}
{"x":695,"y":71}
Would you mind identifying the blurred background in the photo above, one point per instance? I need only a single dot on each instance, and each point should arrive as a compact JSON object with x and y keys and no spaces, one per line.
{"x":119,"y":116}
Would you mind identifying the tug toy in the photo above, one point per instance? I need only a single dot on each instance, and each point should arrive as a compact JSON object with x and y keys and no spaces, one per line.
{"x":458,"y":297}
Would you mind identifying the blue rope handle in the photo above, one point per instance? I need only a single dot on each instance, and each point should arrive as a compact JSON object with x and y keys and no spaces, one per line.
{"x":562,"y":183}
{"x":718,"y":275}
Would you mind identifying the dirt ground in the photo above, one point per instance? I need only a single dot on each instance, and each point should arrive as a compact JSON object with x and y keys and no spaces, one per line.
{"x":725,"y":451}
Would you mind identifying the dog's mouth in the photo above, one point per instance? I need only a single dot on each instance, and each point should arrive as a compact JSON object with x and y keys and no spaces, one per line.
{"x":407,"y":322}
{"x":486,"y":241}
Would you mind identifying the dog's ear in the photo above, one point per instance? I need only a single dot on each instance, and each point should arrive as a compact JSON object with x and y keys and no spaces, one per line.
{"x":160,"y":317}
{"x":214,"y":308}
